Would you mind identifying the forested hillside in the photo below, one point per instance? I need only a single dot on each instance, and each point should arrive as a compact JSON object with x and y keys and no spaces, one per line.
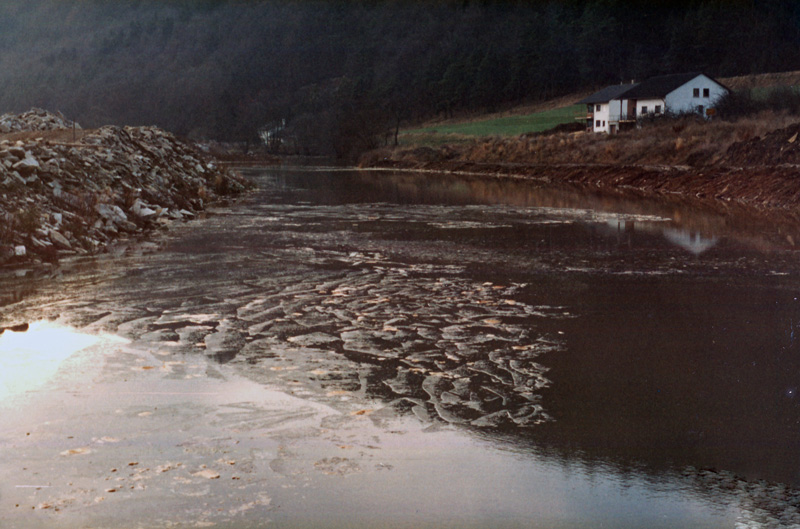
{"x":344,"y":74}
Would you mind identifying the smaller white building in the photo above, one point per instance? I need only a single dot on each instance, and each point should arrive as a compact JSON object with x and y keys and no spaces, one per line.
{"x":616,"y":106}
{"x":607,"y":108}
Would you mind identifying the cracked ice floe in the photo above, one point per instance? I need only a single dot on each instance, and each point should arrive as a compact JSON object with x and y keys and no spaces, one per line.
{"x":448,"y":347}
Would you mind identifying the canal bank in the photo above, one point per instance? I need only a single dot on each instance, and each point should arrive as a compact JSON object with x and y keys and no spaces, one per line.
{"x":733,"y":166}
{"x":66,"y":191}
{"x":388,"y":349}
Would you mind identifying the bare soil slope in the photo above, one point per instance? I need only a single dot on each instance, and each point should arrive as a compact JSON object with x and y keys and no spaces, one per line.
{"x":753,"y":161}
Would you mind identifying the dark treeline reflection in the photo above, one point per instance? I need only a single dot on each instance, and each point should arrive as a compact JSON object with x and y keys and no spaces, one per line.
{"x":678,"y":373}
{"x":343,"y":75}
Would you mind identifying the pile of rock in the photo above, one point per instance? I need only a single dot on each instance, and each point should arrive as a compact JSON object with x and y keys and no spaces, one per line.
{"x":62,"y":198}
{"x":35,"y":119}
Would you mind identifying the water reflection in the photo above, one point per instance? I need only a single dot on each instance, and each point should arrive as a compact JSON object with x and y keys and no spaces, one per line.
{"x":766,"y":231}
{"x":672,"y":373}
{"x":692,"y":242}
{"x":763,"y":232}
{"x":31,"y":357}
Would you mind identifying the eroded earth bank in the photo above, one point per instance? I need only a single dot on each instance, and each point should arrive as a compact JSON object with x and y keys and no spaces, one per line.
{"x":752,"y":162}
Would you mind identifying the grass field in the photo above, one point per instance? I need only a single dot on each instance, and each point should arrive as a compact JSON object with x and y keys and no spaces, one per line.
{"x":761,"y":85}
{"x":505,"y":126}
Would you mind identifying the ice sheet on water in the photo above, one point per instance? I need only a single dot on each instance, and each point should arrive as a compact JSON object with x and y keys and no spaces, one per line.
{"x":461,"y":349}
{"x":465,"y":224}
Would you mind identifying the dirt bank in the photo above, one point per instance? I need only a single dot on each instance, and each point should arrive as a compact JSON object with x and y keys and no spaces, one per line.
{"x":68,"y":191}
{"x":753,"y":162}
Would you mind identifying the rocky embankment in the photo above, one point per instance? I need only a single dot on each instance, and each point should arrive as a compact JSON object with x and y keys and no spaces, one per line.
{"x":67,"y":191}
{"x":34,"y":119}
{"x":761,"y":172}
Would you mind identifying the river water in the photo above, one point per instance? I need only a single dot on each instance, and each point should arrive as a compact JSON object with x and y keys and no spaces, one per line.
{"x":358,"y":349}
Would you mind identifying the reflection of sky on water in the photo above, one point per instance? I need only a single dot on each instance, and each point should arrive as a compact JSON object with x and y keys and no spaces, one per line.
{"x":29,"y":359}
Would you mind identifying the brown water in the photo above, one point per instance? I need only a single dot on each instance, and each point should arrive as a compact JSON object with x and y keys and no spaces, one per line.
{"x":349,"y":349}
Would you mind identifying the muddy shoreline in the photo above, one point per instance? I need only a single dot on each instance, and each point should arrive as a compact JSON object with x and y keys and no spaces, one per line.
{"x":751,"y":164}
{"x":764,"y":188}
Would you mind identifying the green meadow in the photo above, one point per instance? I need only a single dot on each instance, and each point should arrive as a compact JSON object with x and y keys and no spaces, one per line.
{"x":505,"y":126}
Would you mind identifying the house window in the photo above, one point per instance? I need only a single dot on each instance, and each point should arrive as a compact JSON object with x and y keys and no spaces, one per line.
{"x":597,"y":124}
{"x":644,"y":109}
{"x":598,"y":108}
{"x":696,"y":92}
{"x":700,"y":109}
{"x":604,"y":123}
{"x":658,"y":109}
{"x":705,"y":92}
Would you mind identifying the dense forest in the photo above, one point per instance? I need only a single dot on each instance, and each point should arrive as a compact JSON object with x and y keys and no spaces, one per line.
{"x":342,"y":75}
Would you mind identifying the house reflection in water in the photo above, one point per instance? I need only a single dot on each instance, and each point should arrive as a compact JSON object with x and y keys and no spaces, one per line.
{"x":690,"y":241}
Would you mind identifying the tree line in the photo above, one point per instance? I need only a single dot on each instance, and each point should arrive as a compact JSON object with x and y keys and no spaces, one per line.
{"x":343,"y":76}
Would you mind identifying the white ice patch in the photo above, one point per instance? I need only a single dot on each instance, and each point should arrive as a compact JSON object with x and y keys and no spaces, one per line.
{"x":590,"y":215}
{"x":466,"y":225}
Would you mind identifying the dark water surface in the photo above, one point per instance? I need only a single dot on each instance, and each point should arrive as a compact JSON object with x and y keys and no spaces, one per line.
{"x":532,"y":357}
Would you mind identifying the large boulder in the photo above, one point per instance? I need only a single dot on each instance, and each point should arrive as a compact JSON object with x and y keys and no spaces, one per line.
{"x":59,"y":240}
{"x":111,"y":212}
{"x":27,"y":165}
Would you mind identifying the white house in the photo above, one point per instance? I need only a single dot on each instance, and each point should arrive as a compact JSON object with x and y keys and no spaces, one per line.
{"x":675,"y":93}
{"x":607,"y":108}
